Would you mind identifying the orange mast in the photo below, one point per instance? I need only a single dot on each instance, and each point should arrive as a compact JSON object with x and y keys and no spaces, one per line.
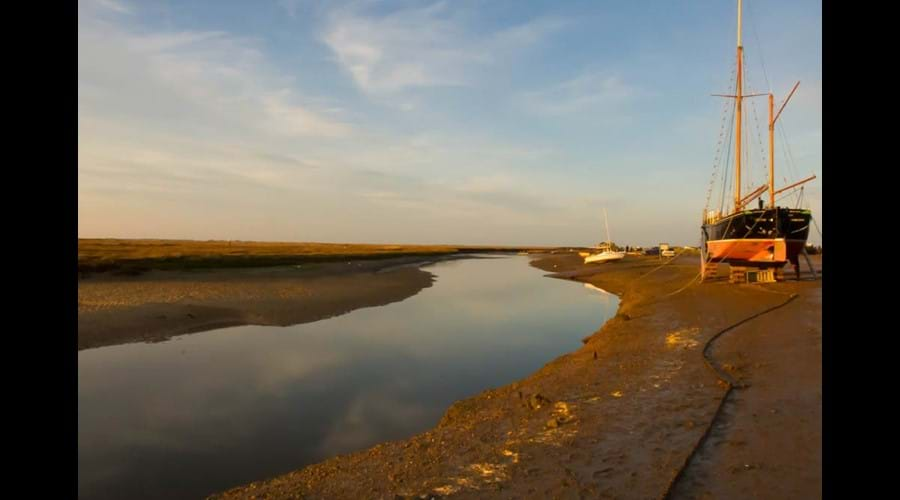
{"x":740,"y":201}
{"x":771,"y":151}
{"x":737,"y":131}
{"x":772,"y":119}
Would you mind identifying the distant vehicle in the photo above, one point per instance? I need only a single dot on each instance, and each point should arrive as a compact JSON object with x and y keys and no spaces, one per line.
{"x":665,"y":250}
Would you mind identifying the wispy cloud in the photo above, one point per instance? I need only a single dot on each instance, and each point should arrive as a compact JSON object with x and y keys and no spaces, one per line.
{"x":204,"y":80}
{"x":290,"y":6}
{"x":108,"y":5}
{"x":324,"y":120}
{"x":590,"y":90}
{"x":421,"y":46}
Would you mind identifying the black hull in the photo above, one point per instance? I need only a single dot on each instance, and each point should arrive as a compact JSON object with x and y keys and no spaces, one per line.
{"x":787,"y":224}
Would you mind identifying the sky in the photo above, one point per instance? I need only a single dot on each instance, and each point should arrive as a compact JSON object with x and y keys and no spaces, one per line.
{"x":503,"y":122}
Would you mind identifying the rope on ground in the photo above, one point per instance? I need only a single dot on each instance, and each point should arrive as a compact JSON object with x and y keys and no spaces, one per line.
{"x":731,"y":383}
{"x":700,"y":274}
{"x":689,"y":283}
{"x":666,"y":263}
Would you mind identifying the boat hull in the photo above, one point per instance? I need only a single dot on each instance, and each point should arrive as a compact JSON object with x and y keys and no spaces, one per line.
{"x":604,"y":257}
{"x":761,"y":238}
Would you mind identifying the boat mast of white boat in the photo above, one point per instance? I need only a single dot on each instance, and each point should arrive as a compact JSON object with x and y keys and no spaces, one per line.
{"x":607,"y":254}
{"x":608,"y":239}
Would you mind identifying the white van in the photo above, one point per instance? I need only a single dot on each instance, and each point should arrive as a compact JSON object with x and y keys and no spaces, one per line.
{"x":665,"y":250}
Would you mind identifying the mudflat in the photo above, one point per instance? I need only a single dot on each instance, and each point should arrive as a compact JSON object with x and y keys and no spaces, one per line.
{"x":152,"y":290}
{"x":639,"y":411}
{"x":159,"y":304}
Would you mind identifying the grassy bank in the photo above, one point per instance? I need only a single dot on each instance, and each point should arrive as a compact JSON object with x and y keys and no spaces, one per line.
{"x":134,"y":256}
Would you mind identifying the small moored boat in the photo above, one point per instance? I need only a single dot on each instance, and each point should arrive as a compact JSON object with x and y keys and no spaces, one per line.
{"x":608,"y":254}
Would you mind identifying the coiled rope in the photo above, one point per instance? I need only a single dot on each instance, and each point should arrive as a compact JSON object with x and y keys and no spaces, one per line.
{"x":731,"y":383}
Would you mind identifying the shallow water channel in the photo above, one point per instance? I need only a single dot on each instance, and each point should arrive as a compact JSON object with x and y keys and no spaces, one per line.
{"x":207,"y":411}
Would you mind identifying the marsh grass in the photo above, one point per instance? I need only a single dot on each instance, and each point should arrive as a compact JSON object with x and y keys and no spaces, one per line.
{"x":131,"y":257}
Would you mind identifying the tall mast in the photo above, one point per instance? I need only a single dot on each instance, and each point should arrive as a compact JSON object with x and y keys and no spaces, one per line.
{"x":772,"y":119}
{"x":771,"y":151}
{"x":608,"y":239}
{"x":739,"y":98}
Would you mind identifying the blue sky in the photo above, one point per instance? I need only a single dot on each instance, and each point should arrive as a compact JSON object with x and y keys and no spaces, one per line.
{"x":500,"y":122}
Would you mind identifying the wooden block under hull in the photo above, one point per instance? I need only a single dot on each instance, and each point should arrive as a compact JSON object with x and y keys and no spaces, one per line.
{"x":752,"y":275}
{"x":709,"y":271}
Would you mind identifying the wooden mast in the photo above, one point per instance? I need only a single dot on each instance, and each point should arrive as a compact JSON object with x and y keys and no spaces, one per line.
{"x":739,"y":99}
{"x":608,"y":239}
{"x":772,"y":119}
{"x":771,"y":151}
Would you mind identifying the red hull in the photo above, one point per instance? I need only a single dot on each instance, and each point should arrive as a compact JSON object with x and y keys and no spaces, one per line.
{"x":762,"y":251}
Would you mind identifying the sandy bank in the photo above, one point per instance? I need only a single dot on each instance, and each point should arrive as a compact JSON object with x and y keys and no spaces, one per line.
{"x":157,"y":305}
{"x":622,"y":416}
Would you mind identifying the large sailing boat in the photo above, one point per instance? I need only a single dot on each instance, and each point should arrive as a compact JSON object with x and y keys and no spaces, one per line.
{"x":608,"y":254}
{"x":764,"y":237}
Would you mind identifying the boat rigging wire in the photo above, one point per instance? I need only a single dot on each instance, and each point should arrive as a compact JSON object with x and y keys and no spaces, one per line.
{"x":758,"y":45}
{"x":717,"y":158}
{"x":789,"y":157}
{"x":728,"y":157}
{"x":724,"y":139}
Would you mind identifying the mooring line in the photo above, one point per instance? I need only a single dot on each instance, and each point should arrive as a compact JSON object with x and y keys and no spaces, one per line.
{"x":666,"y":263}
{"x":732,"y":384}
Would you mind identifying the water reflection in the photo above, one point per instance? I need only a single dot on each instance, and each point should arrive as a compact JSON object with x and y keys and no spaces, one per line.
{"x":208,"y":411}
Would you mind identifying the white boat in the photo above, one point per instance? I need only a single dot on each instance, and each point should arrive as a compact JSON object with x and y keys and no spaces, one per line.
{"x":604,"y":256}
{"x":608,"y":254}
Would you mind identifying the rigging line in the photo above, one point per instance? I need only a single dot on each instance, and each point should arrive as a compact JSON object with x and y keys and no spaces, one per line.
{"x":787,"y":195}
{"x":759,"y":170}
{"x":759,"y":140}
{"x":793,"y":169}
{"x":728,"y":157}
{"x":758,"y":45}
{"x":789,"y":162}
{"x":724,"y":162}
{"x":746,"y":170}
{"x":728,"y":162}
{"x":717,"y":158}
{"x":817,"y":226}
{"x":747,"y":139}
{"x":748,"y":179}
{"x":762,"y":168}
{"x":787,"y":148}
{"x":789,"y":155}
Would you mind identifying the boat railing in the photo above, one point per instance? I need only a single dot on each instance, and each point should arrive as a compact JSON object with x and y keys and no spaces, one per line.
{"x":712,"y":216}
